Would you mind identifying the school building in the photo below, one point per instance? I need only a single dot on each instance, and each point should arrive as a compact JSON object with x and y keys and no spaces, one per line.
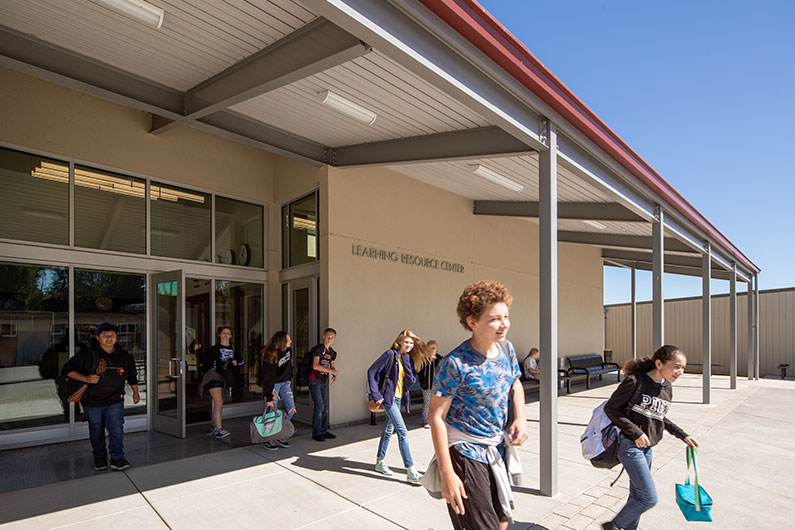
{"x":295,"y":164}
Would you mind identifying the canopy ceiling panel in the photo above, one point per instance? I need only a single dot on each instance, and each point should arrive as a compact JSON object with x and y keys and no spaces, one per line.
{"x":406,"y":105}
{"x":197,"y":40}
{"x":610,"y":227}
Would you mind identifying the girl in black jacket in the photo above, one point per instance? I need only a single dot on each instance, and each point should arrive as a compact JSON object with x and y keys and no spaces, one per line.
{"x":276,"y":372}
{"x":425,"y":376}
{"x":642,"y":424}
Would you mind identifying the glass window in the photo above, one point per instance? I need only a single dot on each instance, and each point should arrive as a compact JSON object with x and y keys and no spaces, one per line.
{"x":118,"y":298}
{"x":34,"y":204}
{"x":180,"y":222}
{"x":239,"y":306}
{"x":34,"y":344}
{"x":299,"y":231}
{"x":110,"y":211}
{"x":238,"y":233}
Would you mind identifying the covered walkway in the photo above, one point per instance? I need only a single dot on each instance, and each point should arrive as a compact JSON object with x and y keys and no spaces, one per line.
{"x":745,"y":438}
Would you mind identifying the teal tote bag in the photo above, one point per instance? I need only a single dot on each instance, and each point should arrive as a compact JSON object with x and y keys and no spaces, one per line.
{"x":694,"y":502}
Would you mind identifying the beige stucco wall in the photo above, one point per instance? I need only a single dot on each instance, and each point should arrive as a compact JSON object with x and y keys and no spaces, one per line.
{"x":371,"y":300}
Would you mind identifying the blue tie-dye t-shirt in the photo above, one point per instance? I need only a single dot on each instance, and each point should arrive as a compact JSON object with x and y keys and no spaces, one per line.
{"x":479,"y":389}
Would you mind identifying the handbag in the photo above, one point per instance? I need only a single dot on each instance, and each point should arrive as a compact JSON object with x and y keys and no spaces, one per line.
{"x":272,"y":425}
{"x":694,"y":502}
{"x":372,"y":405}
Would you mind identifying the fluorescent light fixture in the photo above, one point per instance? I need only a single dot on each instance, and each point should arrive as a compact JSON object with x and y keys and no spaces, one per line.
{"x":347,"y":107}
{"x":596,"y":224}
{"x":143,"y":11}
{"x":489,"y":174}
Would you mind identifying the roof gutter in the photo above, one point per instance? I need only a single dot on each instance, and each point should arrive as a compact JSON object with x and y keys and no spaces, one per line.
{"x":479,"y":27}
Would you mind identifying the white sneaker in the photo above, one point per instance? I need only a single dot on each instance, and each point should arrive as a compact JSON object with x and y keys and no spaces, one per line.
{"x":412,"y":475}
{"x":382,"y":468}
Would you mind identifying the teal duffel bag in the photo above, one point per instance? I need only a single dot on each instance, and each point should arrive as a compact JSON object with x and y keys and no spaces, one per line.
{"x":272,"y":425}
{"x":694,"y":502}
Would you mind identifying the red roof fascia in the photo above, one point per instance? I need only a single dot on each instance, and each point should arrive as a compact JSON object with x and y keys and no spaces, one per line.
{"x":479,"y":27}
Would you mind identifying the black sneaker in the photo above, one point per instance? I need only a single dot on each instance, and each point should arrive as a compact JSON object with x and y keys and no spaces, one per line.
{"x":318,"y":437}
{"x":100,"y":464}
{"x":119,"y":464}
{"x":283,"y":443}
{"x":329,"y":435}
{"x":610,"y":525}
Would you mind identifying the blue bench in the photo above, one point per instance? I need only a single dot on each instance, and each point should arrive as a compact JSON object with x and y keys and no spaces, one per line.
{"x":589,"y":365}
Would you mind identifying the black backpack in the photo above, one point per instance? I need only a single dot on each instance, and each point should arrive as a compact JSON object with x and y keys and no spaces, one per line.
{"x":67,"y":386}
{"x":304,"y":369}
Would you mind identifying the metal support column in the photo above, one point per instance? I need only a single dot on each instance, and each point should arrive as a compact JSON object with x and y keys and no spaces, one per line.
{"x":634,"y":315}
{"x":548,"y":312}
{"x":750,"y":306}
{"x":658,"y":264}
{"x":756,"y":326}
{"x":733,"y":328}
{"x":706,"y":326}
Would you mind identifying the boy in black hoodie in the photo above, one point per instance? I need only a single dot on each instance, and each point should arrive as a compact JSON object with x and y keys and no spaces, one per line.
{"x":105,"y":367}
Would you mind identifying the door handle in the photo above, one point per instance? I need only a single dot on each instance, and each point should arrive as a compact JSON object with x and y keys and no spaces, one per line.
{"x":180,"y":369}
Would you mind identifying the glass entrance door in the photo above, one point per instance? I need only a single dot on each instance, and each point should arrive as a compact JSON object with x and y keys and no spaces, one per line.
{"x":301,"y":318}
{"x":168,"y":303}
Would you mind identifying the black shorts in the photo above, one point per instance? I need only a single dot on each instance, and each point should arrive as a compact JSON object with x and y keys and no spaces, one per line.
{"x":213,"y":384}
{"x":482,"y":510}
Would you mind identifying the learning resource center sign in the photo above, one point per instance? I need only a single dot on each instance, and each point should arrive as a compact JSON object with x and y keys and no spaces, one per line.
{"x":406,"y":258}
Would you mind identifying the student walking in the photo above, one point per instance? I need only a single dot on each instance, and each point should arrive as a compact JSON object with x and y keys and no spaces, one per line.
{"x":389,"y":378}
{"x":322,"y":376}
{"x":469,"y":412}
{"x":215,"y":380}
{"x":105,"y":367}
{"x":276,"y":372}
{"x":641,"y":424}
{"x":426,"y":380}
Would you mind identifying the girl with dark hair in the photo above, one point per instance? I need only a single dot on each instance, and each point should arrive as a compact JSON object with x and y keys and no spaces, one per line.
{"x":641,"y":425}
{"x":276,"y":372}
{"x":217,"y":361}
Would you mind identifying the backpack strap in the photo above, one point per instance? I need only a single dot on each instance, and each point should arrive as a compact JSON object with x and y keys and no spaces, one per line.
{"x":385,"y":373}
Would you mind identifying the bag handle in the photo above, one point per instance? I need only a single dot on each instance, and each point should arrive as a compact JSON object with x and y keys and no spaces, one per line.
{"x":691,"y":457}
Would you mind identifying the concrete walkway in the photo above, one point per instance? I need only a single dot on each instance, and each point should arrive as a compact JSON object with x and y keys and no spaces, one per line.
{"x":747,"y":463}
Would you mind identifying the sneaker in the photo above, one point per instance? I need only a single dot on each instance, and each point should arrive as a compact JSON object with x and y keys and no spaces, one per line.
{"x":119,"y":463}
{"x":412,"y":475}
{"x":318,"y":438}
{"x":221,"y":433}
{"x":382,"y":468}
{"x":610,"y":525}
{"x":270,"y":446}
{"x":100,"y":464}
{"x":212,"y":431}
{"x":329,"y":435}
{"x":283,"y":443}
{"x":426,"y":426}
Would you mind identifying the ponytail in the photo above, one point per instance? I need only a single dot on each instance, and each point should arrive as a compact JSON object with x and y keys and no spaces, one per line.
{"x":647,"y":364}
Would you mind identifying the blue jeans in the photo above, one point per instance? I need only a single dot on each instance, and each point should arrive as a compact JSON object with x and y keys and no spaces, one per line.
{"x":285,"y":395}
{"x":642,"y":492}
{"x":319,"y":393}
{"x":394,"y":422}
{"x":112,"y":418}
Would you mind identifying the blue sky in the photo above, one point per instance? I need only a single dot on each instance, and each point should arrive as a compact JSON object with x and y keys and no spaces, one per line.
{"x":704,"y":91}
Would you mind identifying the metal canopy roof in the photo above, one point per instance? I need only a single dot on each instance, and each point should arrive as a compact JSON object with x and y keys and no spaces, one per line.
{"x":446,"y":100}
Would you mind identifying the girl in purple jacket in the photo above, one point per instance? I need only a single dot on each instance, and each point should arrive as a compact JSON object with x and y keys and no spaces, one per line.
{"x":389,"y":378}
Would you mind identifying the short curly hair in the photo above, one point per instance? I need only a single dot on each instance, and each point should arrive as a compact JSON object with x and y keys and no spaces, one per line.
{"x":478,"y":296}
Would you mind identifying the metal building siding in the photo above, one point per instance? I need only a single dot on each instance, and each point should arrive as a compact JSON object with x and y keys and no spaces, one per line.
{"x":683,"y":323}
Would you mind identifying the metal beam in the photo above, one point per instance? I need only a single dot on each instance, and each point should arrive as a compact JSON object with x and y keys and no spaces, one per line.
{"x":756,"y":326}
{"x":658,"y":263}
{"x":593,"y":211}
{"x":634,"y":315}
{"x":619,"y":240}
{"x":312,"y":48}
{"x":548,"y":312}
{"x":750,"y":313}
{"x":706,"y":326}
{"x":34,"y":57}
{"x":469,"y":143}
{"x":717,"y":273}
{"x":733,"y":328}
{"x":647,"y":257}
